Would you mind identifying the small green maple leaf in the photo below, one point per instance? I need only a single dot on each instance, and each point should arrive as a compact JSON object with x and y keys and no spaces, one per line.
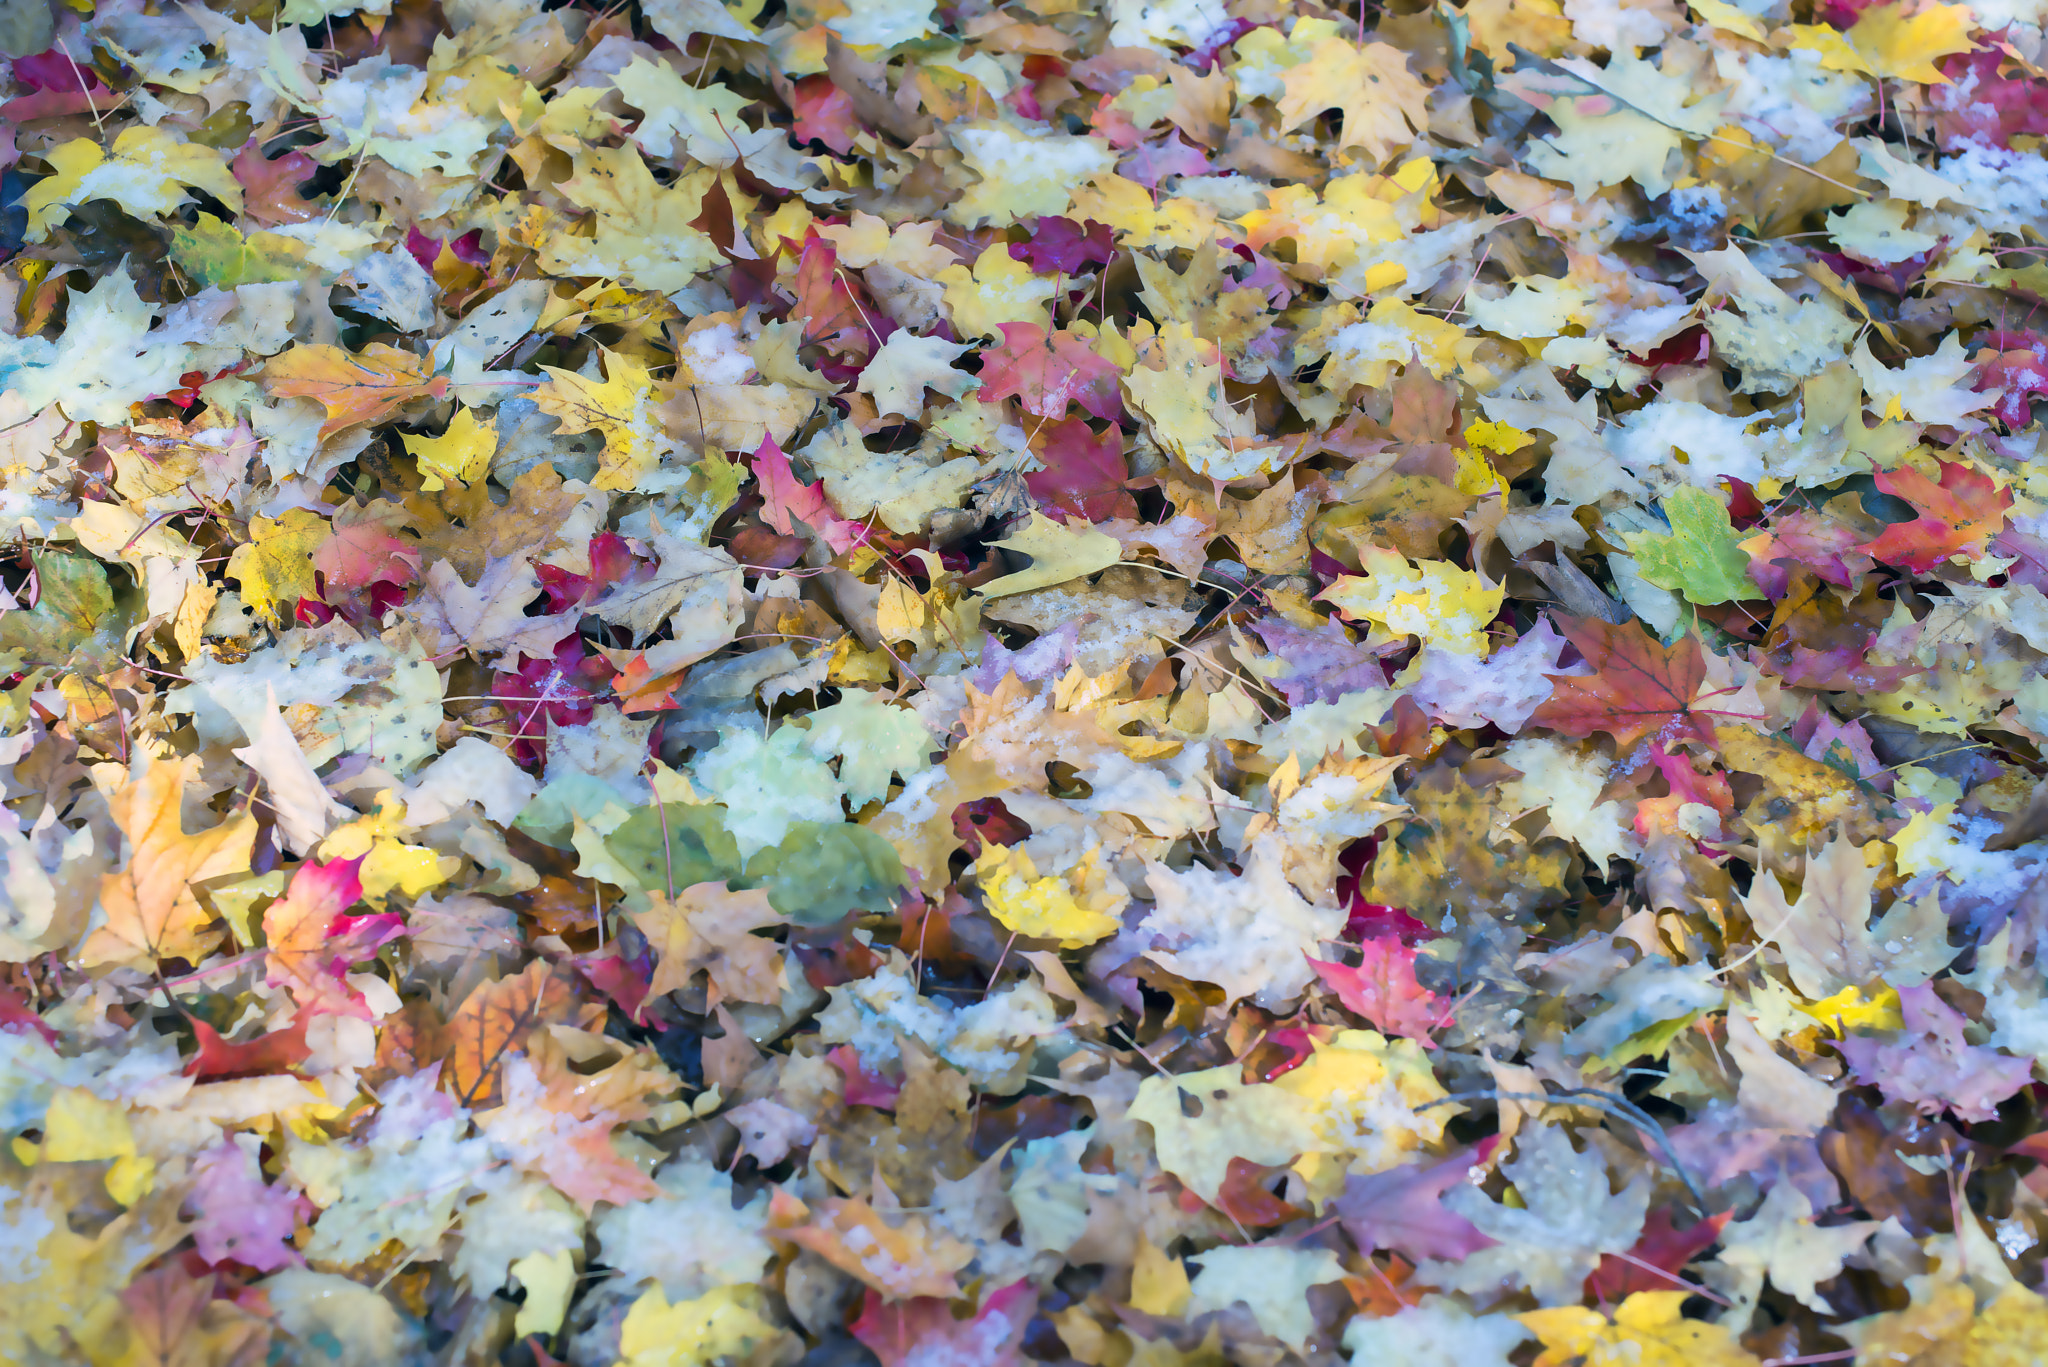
{"x":1700,"y":557}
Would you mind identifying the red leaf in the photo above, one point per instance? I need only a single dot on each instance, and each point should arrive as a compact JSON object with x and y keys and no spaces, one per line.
{"x":924,"y":1329}
{"x":832,"y":316}
{"x":1047,"y":373}
{"x":864,"y":1087}
{"x":15,"y":1013}
{"x":1962,"y":512}
{"x":1383,"y":989}
{"x":1245,"y":1199}
{"x":280,"y":1051}
{"x":1662,"y":1247}
{"x":1980,"y":106}
{"x":1639,"y":687}
{"x":824,"y":113}
{"x":787,"y":501}
{"x":1084,"y":473}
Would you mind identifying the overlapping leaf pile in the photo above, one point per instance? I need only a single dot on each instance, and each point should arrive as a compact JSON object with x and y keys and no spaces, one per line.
{"x":1191,"y":682}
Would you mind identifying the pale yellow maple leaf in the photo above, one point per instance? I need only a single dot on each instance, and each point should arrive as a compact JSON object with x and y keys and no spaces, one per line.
{"x":1887,"y":41}
{"x":1076,"y":908}
{"x":709,"y":929}
{"x":643,"y":233}
{"x":1383,"y":103}
{"x":145,"y":172}
{"x":1646,"y":1331}
{"x":621,"y":407}
{"x":1185,"y":410}
{"x":1448,"y":607}
{"x":1364,"y":1092}
{"x":1000,"y":289}
{"x":275,"y":566}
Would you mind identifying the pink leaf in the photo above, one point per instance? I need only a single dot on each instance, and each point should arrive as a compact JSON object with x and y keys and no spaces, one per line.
{"x":240,"y":1217}
{"x":1383,"y":989}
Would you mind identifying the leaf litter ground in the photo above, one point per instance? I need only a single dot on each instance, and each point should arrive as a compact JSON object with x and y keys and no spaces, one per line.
{"x":823,"y":681}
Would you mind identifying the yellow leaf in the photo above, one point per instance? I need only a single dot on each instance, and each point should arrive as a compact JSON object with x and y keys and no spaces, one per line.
{"x":366,"y":386}
{"x":1058,"y":554}
{"x":723,"y":1323}
{"x":1075,"y":910}
{"x":998,"y":290}
{"x":82,"y":1128}
{"x":1186,"y":411}
{"x":1202,"y":1120}
{"x":1885,"y":42}
{"x":1646,"y":1331}
{"x":1723,"y":15}
{"x":621,"y":408}
{"x":1446,"y":606}
{"x":1849,"y":1010}
{"x":1362,"y":1090}
{"x":145,"y":172}
{"x":1381,"y":99}
{"x":1159,"y":1284}
{"x":548,"y":1279}
{"x":275,"y":566}
{"x":462,"y":452}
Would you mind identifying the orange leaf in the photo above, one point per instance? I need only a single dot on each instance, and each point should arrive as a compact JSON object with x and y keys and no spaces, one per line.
{"x":1960,"y":513}
{"x":367,"y":387}
{"x":152,"y":911}
{"x":913,"y":1260}
{"x":495,"y":1019}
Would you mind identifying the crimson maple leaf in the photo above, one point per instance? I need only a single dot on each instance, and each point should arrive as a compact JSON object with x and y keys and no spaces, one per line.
{"x":1962,"y":512}
{"x":1658,"y":1257}
{"x":1085,"y":472}
{"x":1383,"y":989}
{"x":1047,"y":373}
{"x":1639,"y":686}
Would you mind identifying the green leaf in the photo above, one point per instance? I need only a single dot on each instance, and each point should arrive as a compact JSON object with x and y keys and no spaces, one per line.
{"x":75,"y":615}
{"x":820,"y":872}
{"x":698,"y":850}
{"x":1700,"y":557}
{"x":216,"y":253}
{"x":872,"y":740}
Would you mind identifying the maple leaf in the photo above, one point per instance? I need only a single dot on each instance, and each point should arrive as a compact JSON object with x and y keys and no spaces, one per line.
{"x":905,"y":1332}
{"x":1383,"y":989}
{"x":1700,"y":558}
{"x":1639,"y":689}
{"x":1646,"y":1329}
{"x":152,"y":910}
{"x":1958,"y":515}
{"x":1381,"y":100}
{"x":1085,"y":472}
{"x":353,"y":387}
{"x":709,"y":928}
{"x":619,"y":407}
{"x":495,"y":1019}
{"x":297,"y":926}
{"x":1401,"y":1209}
{"x":1935,"y":1069}
{"x":1049,"y":371}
